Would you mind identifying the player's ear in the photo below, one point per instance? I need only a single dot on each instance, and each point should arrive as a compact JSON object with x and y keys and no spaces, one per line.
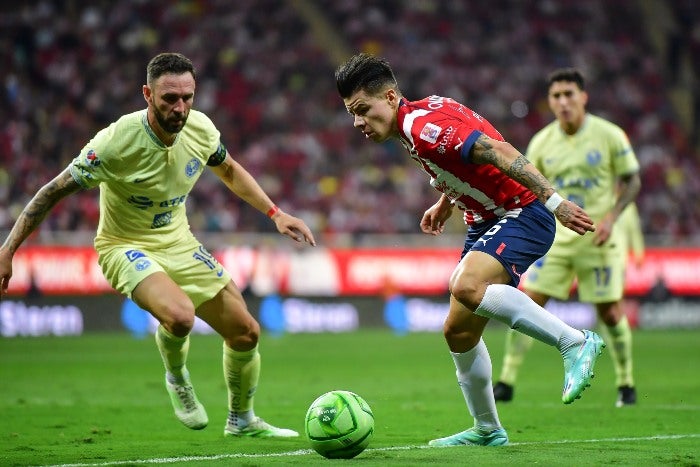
{"x":147,"y":93}
{"x":584,"y":97}
{"x":392,"y":97}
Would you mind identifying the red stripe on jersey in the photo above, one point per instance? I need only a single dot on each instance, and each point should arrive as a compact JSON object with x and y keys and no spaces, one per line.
{"x":438,"y":133}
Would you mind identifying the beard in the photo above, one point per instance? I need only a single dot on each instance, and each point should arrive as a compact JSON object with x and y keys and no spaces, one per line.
{"x":171,"y":125}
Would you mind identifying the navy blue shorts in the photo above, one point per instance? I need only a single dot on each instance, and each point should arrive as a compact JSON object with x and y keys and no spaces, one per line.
{"x":517,"y":239}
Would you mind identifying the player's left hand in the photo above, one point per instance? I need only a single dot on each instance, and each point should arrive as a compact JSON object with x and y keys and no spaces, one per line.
{"x":293,"y":227}
{"x":573,"y":217}
{"x":603,"y":230}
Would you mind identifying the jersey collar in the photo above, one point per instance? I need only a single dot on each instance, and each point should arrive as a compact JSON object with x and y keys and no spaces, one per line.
{"x":152,"y":134}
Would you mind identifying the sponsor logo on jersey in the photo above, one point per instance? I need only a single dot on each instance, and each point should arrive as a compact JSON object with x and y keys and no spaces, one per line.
{"x":430,"y":133}
{"x":192,"y":167}
{"x":144,"y":202}
{"x":133,"y":255}
{"x":446,"y":139}
{"x":141,"y":202}
{"x":563,"y":183}
{"x":92,"y":159}
{"x":435,"y":102}
{"x":162,"y":219}
{"x":172,"y":202}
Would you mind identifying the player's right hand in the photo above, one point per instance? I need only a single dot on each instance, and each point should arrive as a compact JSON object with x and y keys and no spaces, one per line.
{"x":293,"y":227}
{"x":573,"y":217}
{"x":434,"y":218}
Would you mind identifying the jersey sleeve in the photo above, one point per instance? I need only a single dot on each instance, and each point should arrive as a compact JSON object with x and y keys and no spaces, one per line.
{"x":533,"y":152}
{"x":209,"y":138}
{"x":624,"y":159}
{"x":447,"y":137}
{"x":90,"y":167}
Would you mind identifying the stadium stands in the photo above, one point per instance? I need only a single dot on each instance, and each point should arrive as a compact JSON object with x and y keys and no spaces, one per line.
{"x":265,"y":76}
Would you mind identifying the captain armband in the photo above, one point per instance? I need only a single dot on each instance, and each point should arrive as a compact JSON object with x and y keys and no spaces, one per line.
{"x":218,"y":157}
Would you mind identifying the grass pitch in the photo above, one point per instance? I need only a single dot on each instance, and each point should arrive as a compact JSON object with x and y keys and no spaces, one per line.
{"x":100,"y":400}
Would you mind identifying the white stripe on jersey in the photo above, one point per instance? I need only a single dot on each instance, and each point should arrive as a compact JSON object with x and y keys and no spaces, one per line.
{"x":408,"y":122}
{"x":458,"y":187}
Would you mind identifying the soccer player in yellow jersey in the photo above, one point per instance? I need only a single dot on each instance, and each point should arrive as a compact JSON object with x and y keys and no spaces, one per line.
{"x":145,"y":164}
{"x":589,"y":161}
{"x":633,"y":237}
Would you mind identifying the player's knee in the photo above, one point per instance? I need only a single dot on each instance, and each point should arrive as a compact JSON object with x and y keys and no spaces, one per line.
{"x":452,"y":333}
{"x":468,"y":293}
{"x":459,"y":338}
{"x":244,"y":337}
{"x":179,"y":318}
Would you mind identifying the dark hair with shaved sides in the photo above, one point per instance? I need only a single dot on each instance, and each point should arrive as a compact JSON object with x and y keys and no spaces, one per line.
{"x":364,"y":72}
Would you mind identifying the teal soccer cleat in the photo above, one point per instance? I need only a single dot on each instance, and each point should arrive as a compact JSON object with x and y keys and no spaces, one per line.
{"x":473,"y":437}
{"x":578,"y":368}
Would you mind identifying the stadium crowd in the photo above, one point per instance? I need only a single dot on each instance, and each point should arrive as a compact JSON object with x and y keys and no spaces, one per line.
{"x":265,"y":76}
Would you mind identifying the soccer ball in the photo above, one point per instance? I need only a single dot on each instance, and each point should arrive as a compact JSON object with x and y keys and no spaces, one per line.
{"x":339,"y":424}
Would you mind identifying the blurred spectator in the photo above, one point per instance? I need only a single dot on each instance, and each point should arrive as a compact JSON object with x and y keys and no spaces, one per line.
{"x":269,"y":88}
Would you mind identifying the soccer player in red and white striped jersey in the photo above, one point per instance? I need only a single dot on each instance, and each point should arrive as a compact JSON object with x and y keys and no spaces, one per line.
{"x":509,"y":208}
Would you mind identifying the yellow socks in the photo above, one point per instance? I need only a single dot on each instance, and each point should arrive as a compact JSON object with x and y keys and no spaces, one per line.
{"x":241,"y":372}
{"x":173,"y":351}
{"x":620,"y":336}
{"x":517,"y":345}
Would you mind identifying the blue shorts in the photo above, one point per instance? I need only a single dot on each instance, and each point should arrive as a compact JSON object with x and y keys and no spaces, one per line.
{"x":517,"y":239}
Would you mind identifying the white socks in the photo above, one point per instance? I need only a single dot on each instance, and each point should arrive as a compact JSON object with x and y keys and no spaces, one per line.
{"x":474,"y":378}
{"x":513,"y":307}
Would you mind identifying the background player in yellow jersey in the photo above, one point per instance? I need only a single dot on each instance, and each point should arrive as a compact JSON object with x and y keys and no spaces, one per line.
{"x":145,"y":164}
{"x":589,"y":161}
{"x":631,"y":225}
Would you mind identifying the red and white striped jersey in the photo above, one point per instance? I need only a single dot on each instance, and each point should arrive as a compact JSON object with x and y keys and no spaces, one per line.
{"x":439,"y":133}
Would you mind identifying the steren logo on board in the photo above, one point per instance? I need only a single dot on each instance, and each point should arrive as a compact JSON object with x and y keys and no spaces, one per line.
{"x":430,"y":133}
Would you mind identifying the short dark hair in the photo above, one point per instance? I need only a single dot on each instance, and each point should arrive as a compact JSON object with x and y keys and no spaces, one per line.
{"x":364,"y":72}
{"x":572,"y":75}
{"x":168,"y":62}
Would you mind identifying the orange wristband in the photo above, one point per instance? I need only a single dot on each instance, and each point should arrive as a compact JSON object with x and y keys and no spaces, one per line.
{"x":272,"y":211}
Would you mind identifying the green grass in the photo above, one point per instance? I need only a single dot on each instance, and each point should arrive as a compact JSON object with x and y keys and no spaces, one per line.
{"x":99,"y":399}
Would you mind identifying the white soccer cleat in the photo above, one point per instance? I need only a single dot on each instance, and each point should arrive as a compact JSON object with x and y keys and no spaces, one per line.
{"x":259,"y":428}
{"x":187,"y":408}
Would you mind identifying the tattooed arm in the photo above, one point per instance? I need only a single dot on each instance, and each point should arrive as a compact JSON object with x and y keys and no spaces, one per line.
{"x":30,"y":218}
{"x":508,"y":160}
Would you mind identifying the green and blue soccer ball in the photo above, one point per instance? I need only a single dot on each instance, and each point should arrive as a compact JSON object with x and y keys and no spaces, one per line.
{"x":339,"y":424}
